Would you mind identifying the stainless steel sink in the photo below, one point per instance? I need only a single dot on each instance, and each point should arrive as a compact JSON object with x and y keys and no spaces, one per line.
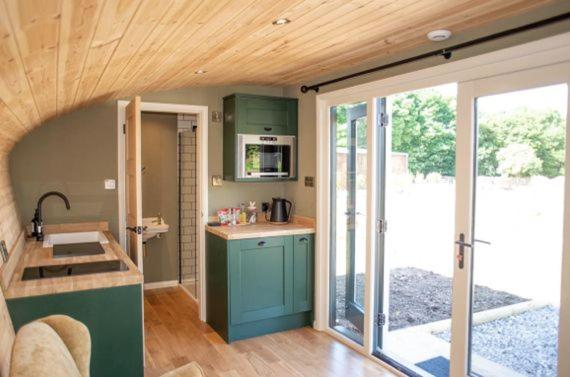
{"x":75,"y":269}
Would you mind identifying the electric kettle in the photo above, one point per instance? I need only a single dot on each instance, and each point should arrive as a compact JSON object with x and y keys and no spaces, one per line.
{"x":279,"y":213}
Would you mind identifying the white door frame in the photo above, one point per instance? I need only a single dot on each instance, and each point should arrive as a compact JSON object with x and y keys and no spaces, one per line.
{"x":468,"y":92}
{"x":548,"y":51}
{"x":202,"y":179}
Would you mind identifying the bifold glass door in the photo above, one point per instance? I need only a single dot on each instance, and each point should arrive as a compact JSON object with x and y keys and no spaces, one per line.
{"x":471,"y":238}
{"x":417,"y":203}
{"x":516,"y":245}
{"x":348,"y":204}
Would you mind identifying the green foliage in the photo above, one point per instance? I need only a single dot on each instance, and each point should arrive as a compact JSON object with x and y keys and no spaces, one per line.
{"x":341,"y":127}
{"x":518,"y":160}
{"x":544,"y":132}
{"x":424,"y":128}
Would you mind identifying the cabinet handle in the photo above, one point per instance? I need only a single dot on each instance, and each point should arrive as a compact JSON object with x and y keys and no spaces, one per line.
{"x":304,"y":239}
{"x":267,"y":128}
{"x":261,"y":243}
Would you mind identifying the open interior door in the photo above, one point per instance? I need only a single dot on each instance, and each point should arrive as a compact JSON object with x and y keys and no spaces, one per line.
{"x":133,"y":181}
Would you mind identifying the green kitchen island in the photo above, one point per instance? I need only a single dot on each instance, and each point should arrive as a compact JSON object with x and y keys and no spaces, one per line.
{"x":259,"y":285}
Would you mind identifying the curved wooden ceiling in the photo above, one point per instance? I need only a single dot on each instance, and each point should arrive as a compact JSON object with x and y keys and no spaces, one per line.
{"x":57,"y":55}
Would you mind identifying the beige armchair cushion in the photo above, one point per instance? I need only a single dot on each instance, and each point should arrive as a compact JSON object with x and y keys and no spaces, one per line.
{"x":55,"y":346}
{"x":76,"y":337}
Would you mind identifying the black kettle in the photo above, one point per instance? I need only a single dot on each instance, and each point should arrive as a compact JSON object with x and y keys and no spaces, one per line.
{"x":279,"y":211}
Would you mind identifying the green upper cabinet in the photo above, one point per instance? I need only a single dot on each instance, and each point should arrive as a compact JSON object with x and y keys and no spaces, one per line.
{"x":266,"y":115}
{"x":249,"y":114}
{"x":261,"y":115}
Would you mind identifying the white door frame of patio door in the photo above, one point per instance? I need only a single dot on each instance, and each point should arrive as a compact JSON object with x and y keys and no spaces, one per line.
{"x":201,"y":113}
{"x":468,"y":92}
{"x":540,"y":53}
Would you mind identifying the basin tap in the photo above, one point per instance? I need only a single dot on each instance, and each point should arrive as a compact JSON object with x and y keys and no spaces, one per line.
{"x":37,"y":221}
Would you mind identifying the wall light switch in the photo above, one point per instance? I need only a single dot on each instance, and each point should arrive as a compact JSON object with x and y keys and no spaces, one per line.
{"x":216,"y":116}
{"x":110,"y":184}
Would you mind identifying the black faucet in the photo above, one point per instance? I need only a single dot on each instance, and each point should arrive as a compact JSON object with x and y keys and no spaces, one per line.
{"x":37,"y":222}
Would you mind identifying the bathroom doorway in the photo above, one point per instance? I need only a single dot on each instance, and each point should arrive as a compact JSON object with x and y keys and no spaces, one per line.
{"x":168,"y":177}
{"x":191,"y":183}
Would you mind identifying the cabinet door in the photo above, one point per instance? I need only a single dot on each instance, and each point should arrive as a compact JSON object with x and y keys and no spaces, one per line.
{"x":303,"y":265}
{"x":261,"y":284}
{"x":266,"y":115}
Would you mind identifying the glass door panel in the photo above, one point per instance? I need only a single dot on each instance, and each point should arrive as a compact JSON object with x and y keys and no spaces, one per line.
{"x":417,"y":254}
{"x":517,"y":232}
{"x":348,"y":219}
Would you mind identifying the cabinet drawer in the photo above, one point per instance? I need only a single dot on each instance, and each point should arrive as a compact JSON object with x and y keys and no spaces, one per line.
{"x":262,"y":242}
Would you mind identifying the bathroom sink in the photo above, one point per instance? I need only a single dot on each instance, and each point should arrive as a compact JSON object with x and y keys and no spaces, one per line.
{"x":153,"y":227}
{"x":51,"y":240}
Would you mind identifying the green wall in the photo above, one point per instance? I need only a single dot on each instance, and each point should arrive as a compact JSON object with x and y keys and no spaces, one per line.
{"x":72,"y":154}
{"x":77,"y":151}
{"x":160,"y":193}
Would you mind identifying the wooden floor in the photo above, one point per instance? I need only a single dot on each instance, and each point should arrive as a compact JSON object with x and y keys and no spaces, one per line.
{"x":175,"y":336}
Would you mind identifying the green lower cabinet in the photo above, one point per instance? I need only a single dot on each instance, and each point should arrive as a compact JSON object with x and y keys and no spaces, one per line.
{"x":303,"y":267}
{"x":112,"y":315}
{"x":258,"y":286}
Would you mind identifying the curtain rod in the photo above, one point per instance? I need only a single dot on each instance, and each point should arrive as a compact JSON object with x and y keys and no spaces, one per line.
{"x":445,"y":52}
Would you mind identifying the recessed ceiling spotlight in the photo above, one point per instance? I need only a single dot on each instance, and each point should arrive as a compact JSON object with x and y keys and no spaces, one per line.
{"x":200,"y":72}
{"x":281,"y":21}
{"x":439,"y":35}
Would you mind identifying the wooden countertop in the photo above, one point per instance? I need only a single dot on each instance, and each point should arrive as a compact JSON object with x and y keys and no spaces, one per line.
{"x":35,"y":254}
{"x":263,"y":229}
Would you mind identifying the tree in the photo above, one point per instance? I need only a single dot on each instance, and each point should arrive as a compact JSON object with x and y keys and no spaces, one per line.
{"x":424,"y":128}
{"x":518,"y":160}
{"x":341,"y":127}
{"x":544,"y":132}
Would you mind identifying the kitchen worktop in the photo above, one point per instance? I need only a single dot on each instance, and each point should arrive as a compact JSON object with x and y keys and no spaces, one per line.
{"x":35,"y":254}
{"x":263,"y":229}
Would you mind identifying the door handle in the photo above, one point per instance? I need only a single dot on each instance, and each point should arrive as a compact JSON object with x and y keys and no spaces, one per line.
{"x":304,"y":239}
{"x":462,"y":245}
{"x":481,"y":241}
{"x":261,"y":243}
{"x":461,"y":254}
{"x":267,"y":128}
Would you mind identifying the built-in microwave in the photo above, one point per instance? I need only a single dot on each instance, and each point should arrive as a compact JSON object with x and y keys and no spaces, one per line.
{"x":266,"y":156}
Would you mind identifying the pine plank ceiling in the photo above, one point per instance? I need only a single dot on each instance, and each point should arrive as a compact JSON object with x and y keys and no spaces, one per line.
{"x":58,"y":55}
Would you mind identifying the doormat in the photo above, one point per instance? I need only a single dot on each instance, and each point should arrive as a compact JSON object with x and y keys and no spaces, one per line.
{"x":438,"y":366}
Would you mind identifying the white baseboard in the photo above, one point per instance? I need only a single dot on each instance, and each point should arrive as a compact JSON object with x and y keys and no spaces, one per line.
{"x":161,"y":284}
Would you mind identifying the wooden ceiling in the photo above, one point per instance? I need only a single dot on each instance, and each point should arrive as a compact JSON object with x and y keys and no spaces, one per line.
{"x":57,"y":55}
